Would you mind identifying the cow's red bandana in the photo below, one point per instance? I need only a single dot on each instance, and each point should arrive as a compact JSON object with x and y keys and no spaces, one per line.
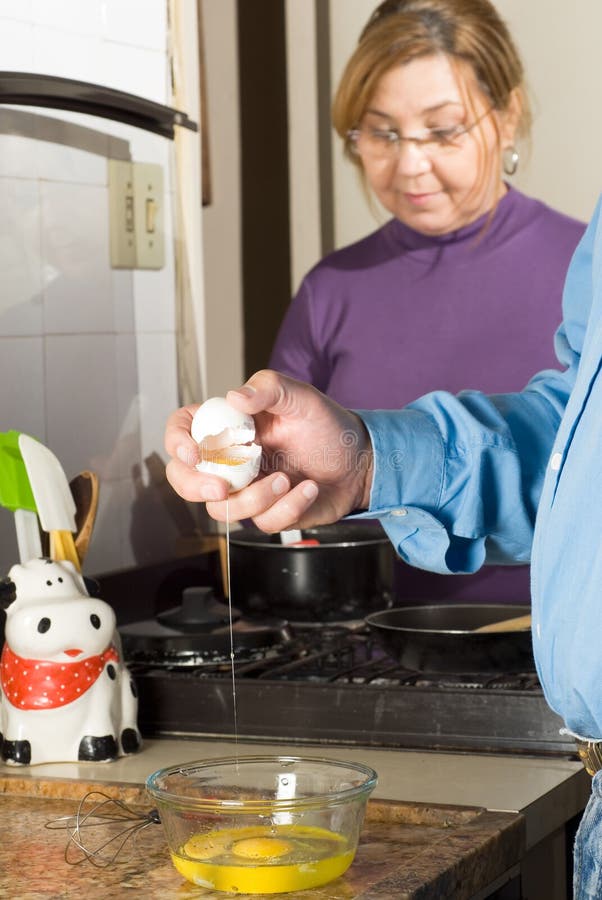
{"x":39,"y":684}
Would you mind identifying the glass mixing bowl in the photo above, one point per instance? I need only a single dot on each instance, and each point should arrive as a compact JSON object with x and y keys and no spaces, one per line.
{"x":262,"y":824}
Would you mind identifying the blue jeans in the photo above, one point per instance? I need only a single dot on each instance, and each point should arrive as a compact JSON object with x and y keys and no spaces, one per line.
{"x":587,"y":872}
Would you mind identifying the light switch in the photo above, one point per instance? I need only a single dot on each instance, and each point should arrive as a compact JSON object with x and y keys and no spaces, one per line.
{"x":148,"y":194}
{"x":136,"y":215}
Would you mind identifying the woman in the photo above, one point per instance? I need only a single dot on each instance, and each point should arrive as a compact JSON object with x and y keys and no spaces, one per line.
{"x":430,"y":107}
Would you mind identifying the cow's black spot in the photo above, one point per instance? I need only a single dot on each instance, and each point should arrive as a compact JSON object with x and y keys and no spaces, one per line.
{"x":111,"y":672}
{"x":17,"y":752}
{"x":130,"y":740}
{"x":49,"y":583}
{"x":44,"y":625}
{"x":97,"y":748}
{"x":60,"y":579}
{"x":95,"y":620}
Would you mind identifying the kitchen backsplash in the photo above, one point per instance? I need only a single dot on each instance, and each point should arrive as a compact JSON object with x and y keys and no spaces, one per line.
{"x":87,"y":353}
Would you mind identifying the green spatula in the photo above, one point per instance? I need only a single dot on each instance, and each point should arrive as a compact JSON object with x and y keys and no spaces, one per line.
{"x":17,"y":496}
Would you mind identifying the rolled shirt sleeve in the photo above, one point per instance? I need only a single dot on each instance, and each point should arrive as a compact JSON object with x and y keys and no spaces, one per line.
{"x":457,"y":479}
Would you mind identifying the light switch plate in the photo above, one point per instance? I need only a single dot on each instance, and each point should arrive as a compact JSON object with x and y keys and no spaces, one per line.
{"x":136,"y":215}
{"x":121,"y":215}
{"x":148,"y":194}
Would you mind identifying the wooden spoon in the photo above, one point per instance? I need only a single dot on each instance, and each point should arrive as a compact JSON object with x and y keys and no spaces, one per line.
{"x":84,"y":488}
{"x":518,"y":623}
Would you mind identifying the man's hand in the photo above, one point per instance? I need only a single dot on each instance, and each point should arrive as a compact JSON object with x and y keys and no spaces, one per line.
{"x":316,"y":462}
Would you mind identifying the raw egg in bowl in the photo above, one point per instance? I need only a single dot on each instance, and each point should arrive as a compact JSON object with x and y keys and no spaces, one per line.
{"x":262,"y":824}
{"x":226,"y":442}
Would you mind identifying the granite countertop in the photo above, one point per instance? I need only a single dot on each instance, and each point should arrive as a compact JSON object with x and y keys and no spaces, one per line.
{"x":439,"y":825}
{"x":407,"y":850}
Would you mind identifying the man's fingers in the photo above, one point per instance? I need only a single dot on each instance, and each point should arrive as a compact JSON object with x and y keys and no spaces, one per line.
{"x":195,"y":486}
{"x":178,"y":441}
{"x":287,"y":511}
{"x":252,"y":500}
{"x":269,"y":502}
{"x":268,"y":391}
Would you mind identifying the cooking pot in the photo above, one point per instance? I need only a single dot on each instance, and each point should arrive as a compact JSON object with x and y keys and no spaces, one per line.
{"x":336,"y":573}
{"x":442,"y":639}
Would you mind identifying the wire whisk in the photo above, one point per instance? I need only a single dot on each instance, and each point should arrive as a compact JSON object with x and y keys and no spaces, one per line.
{"x":108,"y":816}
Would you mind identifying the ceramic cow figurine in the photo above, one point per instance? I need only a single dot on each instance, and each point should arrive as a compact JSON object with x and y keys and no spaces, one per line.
{"x":65,"y":695}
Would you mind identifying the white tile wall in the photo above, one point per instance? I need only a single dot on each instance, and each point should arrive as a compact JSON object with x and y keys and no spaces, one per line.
{"x":67,"y":53}
{"x":113,"y":538}
{"x":75,"y":249}
{"x":157,"y":385}
{"x":16,"y":9}
{"x":22,"y":374}
{"x":135,"y":70}
{"x":21,"y":269}
{"x":152,"y":314}
{"x":17,"y":46}
{"x":122,"y":290}
{"x":127,"y":448}
{"x":22,"y":408}
{"x":61,"y":158}
{"x":125,"y":24}
{"x":70,"y":15}
{"x":87,"y":353}
{"x":18,"y":155}
{"x":81,"y":401}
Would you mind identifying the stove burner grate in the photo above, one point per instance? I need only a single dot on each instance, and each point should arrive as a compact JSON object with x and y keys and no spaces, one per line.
{"x":340,"y":656}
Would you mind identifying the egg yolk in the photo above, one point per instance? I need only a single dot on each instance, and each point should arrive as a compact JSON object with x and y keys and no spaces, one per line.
{"x":261,"y":848}
{"x":213,"y":456}
{"x":207,"y":846}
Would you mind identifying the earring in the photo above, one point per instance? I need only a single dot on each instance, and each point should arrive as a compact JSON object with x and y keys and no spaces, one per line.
{"x":510,"y":158}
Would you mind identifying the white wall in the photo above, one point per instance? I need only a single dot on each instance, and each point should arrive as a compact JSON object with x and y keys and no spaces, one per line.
{"x":221,"y":219}
{"x":352,"y":218}
{"x":560,"y":46}
{"x":87,"y":353}
{"x":303,"y":145}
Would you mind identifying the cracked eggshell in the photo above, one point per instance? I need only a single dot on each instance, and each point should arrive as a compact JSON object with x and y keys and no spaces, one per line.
{"x":225,"y":438}
{"x":217,"y":424}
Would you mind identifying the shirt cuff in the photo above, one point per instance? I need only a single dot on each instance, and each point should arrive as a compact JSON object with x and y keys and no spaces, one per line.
{"x":400,"y":439}
{"x":405,"y":496}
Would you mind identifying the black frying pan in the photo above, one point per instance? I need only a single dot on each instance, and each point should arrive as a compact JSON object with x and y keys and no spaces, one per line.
{"x":442,"y":639}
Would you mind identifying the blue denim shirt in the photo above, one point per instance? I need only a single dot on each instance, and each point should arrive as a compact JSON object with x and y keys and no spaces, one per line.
{"x":465,"y":480}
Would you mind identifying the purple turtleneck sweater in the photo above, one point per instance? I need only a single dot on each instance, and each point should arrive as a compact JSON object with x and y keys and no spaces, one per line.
{"x":398,"y":314}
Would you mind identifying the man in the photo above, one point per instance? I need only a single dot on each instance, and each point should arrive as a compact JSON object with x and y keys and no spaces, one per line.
{"x":458,"y":482}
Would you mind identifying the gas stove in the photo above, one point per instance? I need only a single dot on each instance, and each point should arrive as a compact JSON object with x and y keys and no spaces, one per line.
{"x":339,"y":687}
{"x":331,"y":684}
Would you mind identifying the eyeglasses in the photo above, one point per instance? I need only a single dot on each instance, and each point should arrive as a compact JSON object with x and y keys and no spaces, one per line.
{"x":385,"y":143}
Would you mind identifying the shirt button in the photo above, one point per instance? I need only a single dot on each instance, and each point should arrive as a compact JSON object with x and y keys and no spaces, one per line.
{"x":555,"y":462}
{"x":399,"y":512}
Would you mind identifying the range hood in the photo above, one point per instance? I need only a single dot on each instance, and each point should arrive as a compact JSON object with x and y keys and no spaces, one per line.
{"x":30,"y":89}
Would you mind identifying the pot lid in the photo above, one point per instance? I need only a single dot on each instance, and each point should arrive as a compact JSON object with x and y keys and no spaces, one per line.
{"x":197,"y":631}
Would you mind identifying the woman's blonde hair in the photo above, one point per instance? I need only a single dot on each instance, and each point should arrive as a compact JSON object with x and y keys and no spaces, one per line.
{"x":466,"y":31}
